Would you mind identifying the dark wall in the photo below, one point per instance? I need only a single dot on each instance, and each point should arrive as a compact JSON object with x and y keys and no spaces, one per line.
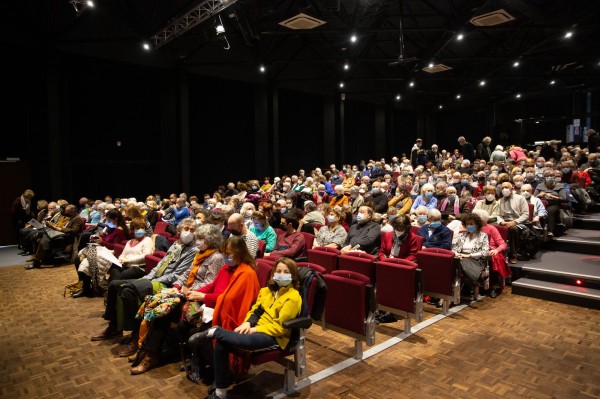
{"x":472,"y":124}
{"x":359,"y":127}
{"x":403,"y":132}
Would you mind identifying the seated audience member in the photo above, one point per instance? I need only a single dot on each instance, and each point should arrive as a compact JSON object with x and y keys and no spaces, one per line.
{"x":365,"y":235}
{"x":471,"y":250}
{"x":321,"y":195}
{"x":219,"y":219}
{"x":312,"y":216}
{"x":452,"y":207}
{"x":554,"y":193}
{"x":193,"y":283}
{"x":419,"y":218}
{"x":401,"y":242}
{"x":499,"y":270}
{"x":29,"y":235}
{"x":434,"y":233}
{"x":263,"y":231}
{"x":263,"y":325}
{"x":512,"y":211}
{"x":386,"y":226}
{"x":178,"y":259}
{"x":489,"y":203}
{"x":426,"y":198}
{"x":340,"y":199}
{"x":132,"y":257}
{"x":401,"y":201}
{"x":333,"y":235}
{"x":116,"y":230}
{"x":133,"y":212}
{"x":56,"y":235}
{"x":180,"y":212}
{"x":151,"y":212}
{"x":237,"y":227}
{"x":440,"y":191}
{"x":291,"y":244}
{"x":518,"y":181}
{"x":356,"y":200}
{"x":246,"y":211}
{"x":498,"y":155}
{"x":378,"y":198}
{"x":465,"y":185}
{"x":539,"y":211}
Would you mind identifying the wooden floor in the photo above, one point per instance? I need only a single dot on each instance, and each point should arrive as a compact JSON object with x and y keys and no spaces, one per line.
{"x":508,"y":347}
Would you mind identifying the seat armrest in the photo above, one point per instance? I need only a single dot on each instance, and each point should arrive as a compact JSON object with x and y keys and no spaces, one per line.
{"x":300,"y":322}
{"x":302,"y":259}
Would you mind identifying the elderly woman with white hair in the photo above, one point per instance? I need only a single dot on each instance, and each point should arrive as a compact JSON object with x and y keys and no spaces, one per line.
{"x":500,"y":269}
{"x":498,"y":155}
{"x":426,"y":198}
{"x":419,"y":218}
{"x":340,"y":198}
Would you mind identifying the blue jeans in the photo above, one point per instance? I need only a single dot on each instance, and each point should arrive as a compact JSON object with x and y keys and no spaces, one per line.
{"x":227,"y":342}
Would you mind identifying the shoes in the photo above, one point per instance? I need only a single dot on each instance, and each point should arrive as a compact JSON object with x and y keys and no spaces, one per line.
{"x":493,"y":293}
{"x":24,"y":253}
{"x":109,"y":333}
{"x":36,"y":264}
{"x":550,"y":235}
{"x":132,"y":358}
{"x":150,"y":361}
{"x":439,"y":303}
{"x":513,"y":261}
{"x":30,"y":259}
{"x":130,"y":349}
{"x":200,"y":338}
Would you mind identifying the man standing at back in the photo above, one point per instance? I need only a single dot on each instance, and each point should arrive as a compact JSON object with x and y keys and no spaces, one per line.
{"x":466,"y":149}
{"x":413,"y":152}
{"x":484,"y":149}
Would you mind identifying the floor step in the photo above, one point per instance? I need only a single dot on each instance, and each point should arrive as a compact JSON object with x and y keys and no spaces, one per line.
{"x":556,"y":292}
{"x":590,"y":222}
{"x":577,"y":240}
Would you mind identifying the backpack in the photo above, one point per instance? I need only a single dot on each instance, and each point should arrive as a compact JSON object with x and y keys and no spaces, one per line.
{"x":529,"y":242}
{"x":318,"y":306}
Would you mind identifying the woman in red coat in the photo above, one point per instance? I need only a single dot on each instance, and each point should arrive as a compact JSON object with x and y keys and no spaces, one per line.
{"x":400,"y":242}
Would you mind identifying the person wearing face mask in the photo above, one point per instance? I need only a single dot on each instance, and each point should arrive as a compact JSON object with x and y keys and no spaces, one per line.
{"x":356,"y":200}
{"x":291,"y":244}
{"x":539,"y":210}
{"x":401,"y":242}
{"x":489,"y":203}
{"x":134,"y":252}
{"x":401,"y":201}
{"x":512,"y":212}
{"x":333,"y":235}
{"x":263,"y":231}
{"x":262,"y":326}
{"x":237,"y":227}
{"x":378,"y":197}
{"x":554,"y":193}
{"x":340,"y":199}
{"x":471,"y":250}
{"x":498,"y":155}
{"x":59,"y":235}
{"x":365,"y":234}
{"x":434,"y":233}
{"x":426,"y":198}
{"x":452,"y":207}
{"x":177,"y":260}
{"x":419,"y":218}
{"x":207,"y":263}
{"x":246,"y":211}
{"x":312,"y":216}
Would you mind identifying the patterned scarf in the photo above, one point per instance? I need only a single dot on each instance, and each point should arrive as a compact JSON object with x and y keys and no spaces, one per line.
{"x":398,"y":241}
{"x":173,"y":255}
{"x":198,"y":259}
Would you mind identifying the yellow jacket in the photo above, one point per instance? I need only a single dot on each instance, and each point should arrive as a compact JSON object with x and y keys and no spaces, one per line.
{"x":277,"y":311}
{"x":406,"y":204}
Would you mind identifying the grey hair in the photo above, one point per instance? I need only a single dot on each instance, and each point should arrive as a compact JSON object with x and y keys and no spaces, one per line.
{"x":426,"y":187}
{"x":190,"y":221}
{"x":434,"y":213}
{"x":212,"y":235}
{"x":482,"y":213}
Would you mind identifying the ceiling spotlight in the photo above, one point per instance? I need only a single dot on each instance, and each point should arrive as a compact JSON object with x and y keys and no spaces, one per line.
{"x":568,"y":35}
{"x":346,"y":66}
{"x":516,"y":64}
{"x":146,"y":46}
{"x":552,"y":82}
{"x":537,"y":122}
{"x":398,"y":97}
{"x":262,"y":68}
{"x":412,"y":84}
{"x":458,"y":96}
{"x":341,"y":85}
{"x":353,"y":38}
{"x":440,"y":106}
{"x":460,"y":36}
{"x":518,"y":95}
{"x":219,"y":26}
{"x":430,"y":65}
{"x":90,"y":3}
{"x":482,"y":83}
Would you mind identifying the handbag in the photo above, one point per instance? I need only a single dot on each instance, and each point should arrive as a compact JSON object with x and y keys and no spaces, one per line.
{"x":471,"y":268}
{"x":192,"y":312}
{"x":566,"y":217}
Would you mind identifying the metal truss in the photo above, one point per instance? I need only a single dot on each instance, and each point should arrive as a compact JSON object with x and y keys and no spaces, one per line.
{"x":79,"y":5}
{"x":203,"y":11}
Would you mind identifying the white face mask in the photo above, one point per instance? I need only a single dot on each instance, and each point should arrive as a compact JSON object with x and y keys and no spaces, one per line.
{"x":186,"y":237}
{"x":506,"y":192}
{"x":201,"y":244}
{"x":490,"y":197}
{"x":526,"y":194}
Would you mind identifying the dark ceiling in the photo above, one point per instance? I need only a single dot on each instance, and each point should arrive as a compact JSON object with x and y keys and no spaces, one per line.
{"x":313,"y":60}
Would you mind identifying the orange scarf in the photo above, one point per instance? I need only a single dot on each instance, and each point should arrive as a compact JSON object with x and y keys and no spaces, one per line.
{"x":198,"y":259}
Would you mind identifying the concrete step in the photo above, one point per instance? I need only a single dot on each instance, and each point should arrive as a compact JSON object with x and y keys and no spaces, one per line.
{"x":588,"y":222}
{"x":557,"y":292}
{"x":577,"y":240}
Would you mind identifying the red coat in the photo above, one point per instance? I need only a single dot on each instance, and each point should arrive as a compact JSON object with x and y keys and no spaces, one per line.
{"x":411,"y":245}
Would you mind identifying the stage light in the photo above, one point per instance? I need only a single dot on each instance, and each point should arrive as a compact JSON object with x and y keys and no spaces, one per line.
{"x":353,"y":39}
{"x":398,"y":97}
{"x":341,"y":85}
{"x":346,"y":66}
{"x":90,"y":3}
{"x":262,"y":68}
{"x":412,"y":84}
{"x":460,"y":36}
{"x":146,"y":46}
{"x":568,"y":35}
{"x":578,"y":282}
{"x":219,"y":26}
{"x":518,"y":95}
{"x":516,"y":64}
{"x":552,"y":82}
{"x":458,"y":96}
{"x":482,"y":83}
{"x":440,"y":106}
{"x":430,"y":65}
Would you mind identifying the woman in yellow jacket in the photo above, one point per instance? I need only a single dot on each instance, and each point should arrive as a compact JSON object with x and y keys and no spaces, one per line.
{"x":263,"y":327}
{"x":402,"y":201}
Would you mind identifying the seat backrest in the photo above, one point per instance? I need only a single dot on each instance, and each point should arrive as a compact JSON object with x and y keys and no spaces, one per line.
{"x":261,"y":249}
{"x":263,"y":271}
{"x":439,"y":271}
{"x":399,"y":261}
{"x":118,"y":249}
{"x":441,"y":251}
{"x":279,"y":231}
{"x":315,"y":267}
{"x":328,"y":249}
{"x":313,"y":291}
{"x":308,"y":242}
{"x":327,"y":260}
{"x":503,"y":230}
{"x":364,"y":265}
{"x":345,"y":304}
{"x":160,"y":228}
{"x":415,"y":229}
{"x":397,"y":285}
{"x":530,"y":211}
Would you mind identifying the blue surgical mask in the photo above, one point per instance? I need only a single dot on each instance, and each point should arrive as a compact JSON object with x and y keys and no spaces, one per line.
{"x":360,"y":218}
{"x":282,"y":279}
{"x":111,"y":225}
{"x":428,"y":195}
{"x":422,"y":181}
{"x":435,"y":225}
{"x":375,"y":191}
{"x":464,"y":182}
{"x":550,"y":179}
{"x":139,"y":233}
{"x":565,"y":170}
{"x":228,"y":260}
{"x":258,"y":227}
{"x":471,"y":228}
{"x":422,"y":219}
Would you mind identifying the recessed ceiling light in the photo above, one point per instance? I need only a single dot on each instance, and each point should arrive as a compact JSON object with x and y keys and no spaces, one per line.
{"x":568,"y":35}
{"x":90,"y":3}
{"x":353,"y":38}
{"x":518,"y":95}
{"x":516,"y":64}
{"x":460,"y":36}
{"x":440,"y":106}
{"x":412,"y":84}
{"x":346,"y":66}
{"x":458,"y":96}
{"x":341,"y":85}
{"x":537,"y":122}
{"x":262,"y":68}
{"x":482,"y":83}
{"x":146,"y":46}
{"x":552,"y":82}
{"x":398,"y":97}
{"x":430,"y":65}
